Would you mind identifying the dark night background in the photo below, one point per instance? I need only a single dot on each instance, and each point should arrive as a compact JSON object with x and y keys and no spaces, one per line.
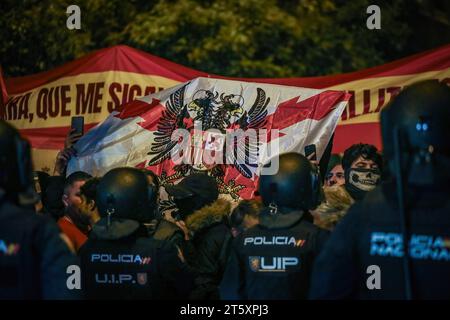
{"x":247,"y":38}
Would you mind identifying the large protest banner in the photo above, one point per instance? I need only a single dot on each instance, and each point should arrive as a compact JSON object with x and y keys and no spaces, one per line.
{"x":42,"y":105}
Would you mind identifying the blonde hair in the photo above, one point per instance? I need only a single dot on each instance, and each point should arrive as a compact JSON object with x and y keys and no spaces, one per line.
{"x":330,"y":212}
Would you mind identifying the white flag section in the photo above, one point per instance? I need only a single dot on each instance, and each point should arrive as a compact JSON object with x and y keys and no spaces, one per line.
{"x":228,"y":128}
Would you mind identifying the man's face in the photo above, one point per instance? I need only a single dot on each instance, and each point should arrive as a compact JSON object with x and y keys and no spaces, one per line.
{"x":72,"y":196}
{"x":335,"y":177}
{"x":362,"y":163}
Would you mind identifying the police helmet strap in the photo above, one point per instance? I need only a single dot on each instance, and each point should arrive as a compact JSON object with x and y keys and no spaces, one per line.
{"x":273,"y":206}
{"x":110,"y":208}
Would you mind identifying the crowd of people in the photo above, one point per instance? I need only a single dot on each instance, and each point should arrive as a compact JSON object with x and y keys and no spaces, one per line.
{"x":301,"y":237}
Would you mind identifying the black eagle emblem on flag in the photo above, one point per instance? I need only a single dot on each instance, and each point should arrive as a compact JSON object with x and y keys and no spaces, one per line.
{"x":215,"y":111}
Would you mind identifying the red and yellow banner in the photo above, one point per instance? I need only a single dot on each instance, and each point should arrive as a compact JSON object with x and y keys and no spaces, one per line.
{"x":42,"y":105}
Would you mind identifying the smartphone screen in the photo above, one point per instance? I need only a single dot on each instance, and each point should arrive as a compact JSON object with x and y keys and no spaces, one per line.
{"x":78,"y":124}
{"x":37,"y":184}
{"x":311,"y":152}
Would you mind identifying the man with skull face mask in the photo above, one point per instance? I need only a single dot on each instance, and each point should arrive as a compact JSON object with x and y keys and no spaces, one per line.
{"x":409,"y":212}
{"x":362,"y":169}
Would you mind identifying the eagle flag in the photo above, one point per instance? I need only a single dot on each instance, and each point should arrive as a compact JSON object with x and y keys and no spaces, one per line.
{"x":228,"y":129}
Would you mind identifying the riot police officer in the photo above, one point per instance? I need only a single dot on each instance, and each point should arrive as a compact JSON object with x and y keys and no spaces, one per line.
{"x":33,"y":257}
{"x":365,"y":256}
{"x":120,"y":260}
{"x":273,"y":260}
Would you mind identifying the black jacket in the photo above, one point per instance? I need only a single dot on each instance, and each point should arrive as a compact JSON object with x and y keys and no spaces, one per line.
{"x":208,"y":249}
{"x":370,"y":234}
{"x":122,"y":262}
{"x":168,"y":231}
{"x":33,"y":257}
{"x":273,"y":260}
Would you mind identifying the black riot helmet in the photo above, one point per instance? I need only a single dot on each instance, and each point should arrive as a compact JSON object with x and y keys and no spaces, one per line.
{"x":124,"y":193}
{"x":296,"y":185}
{"x":416,"y":128}
{"x":16,"y":173}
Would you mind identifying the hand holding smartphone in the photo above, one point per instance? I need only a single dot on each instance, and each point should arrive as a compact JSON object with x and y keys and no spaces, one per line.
{"x":78,"y":125}
{"x":76,"y":131}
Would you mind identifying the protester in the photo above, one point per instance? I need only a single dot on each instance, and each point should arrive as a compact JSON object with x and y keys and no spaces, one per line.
{"x":73,"y":224}
{"x":273,"y":260}
{"x":363,"y":166}
{"x":88,"y":207}
{"x":335,"y":172}
{"x":64,"y":155}
{"x":333,"y":208}
{"x":245,"y":216}
{"x":203,"y":218}
{"x":120,"y":260}
{"x":414,"y":205}
{"x":33,"y":258}
{"x":161,"y":228}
